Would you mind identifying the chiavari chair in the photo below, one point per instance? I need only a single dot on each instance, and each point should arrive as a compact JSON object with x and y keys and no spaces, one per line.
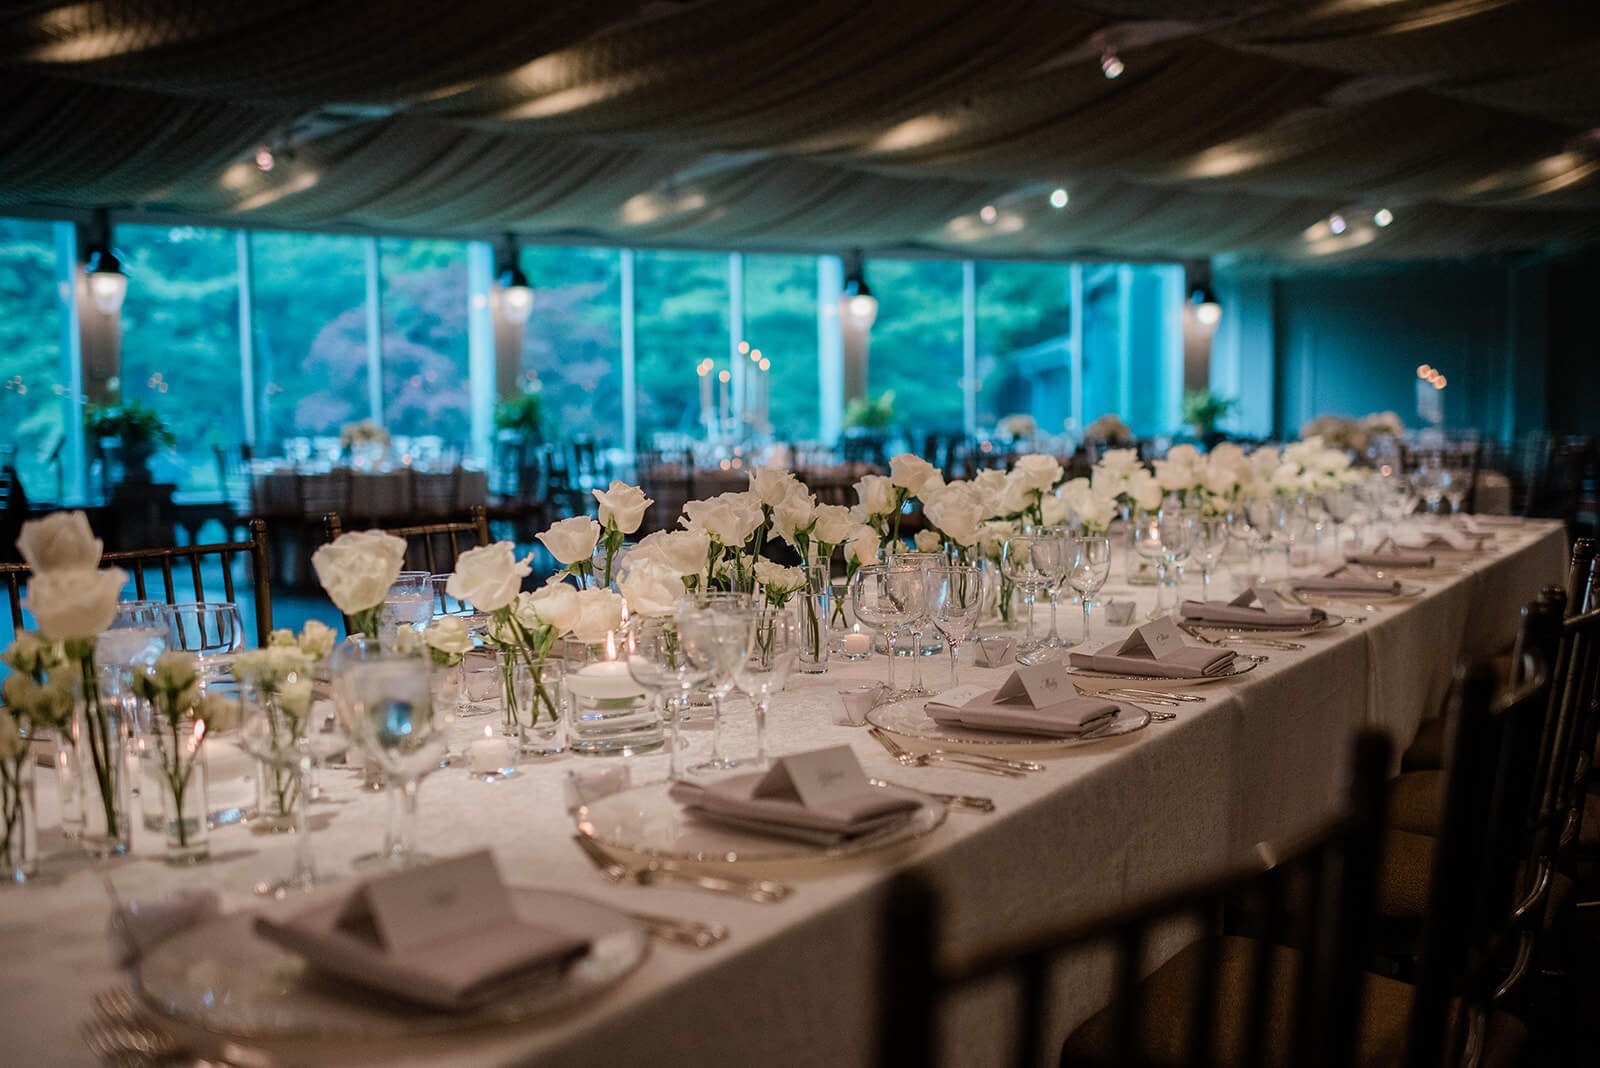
{"x":431,"y":546}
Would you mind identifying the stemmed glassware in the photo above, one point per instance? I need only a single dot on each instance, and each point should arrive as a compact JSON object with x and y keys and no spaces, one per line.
{"x":1457,"y":484}
{"x":210,"y":630}
{"x":716,"y":630}
{"x":294,"y":741}
{"x":1058,"y":576}
{"x":917,"y":624}
{"x":409,"y":603}
{"x":886,"y":597}
{"x":1428,"y":481}
{"x":955,"y":600}
{"x":773,"y":652}
{"x":1177,"y":539}
{"x":657,"y":662}
{"x":1340,"y":504}
{"x":1088,"y":567}
{"x":386,"y":702}
{"x":1209,"y":543}
{"x":1032,"y":562}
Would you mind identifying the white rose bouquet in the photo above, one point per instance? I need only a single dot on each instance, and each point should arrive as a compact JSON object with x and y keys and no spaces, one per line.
{"x":1032,"y":477}
{"x":356,"y":570}
{"x":32,"y":704}
{"x":448,"y":639}
{"x":181,"y":717}
{"x":622,"y":509}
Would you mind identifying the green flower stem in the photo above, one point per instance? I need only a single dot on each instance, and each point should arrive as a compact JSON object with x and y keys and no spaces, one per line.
{"x":366,"y":621}
{"x":99,"y":728}
{"x":13,"y":813}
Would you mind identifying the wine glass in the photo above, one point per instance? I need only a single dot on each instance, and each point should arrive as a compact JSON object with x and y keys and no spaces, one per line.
{"x":210,"y":630}
{"x":1208,"y":544}
{"x":925,"y":561}
{"x":774,"y":649}
{"x":293,"y":740}
{"x":1340,"y":504}
{"x":1177,"y":539}
{"x":409,"y":603}
{"x":1058,"y":574}
{"x":1031,"y":561}
{"x":886,"y":597}
{"x":1088,"y":567}
{"x":1428,"y":481}
{"x":716,"y":629}
{"x":656,"y":661}
{"x":386,"y":702}
{"x":955,"y":600}
{"x":1147,"y":543}
{"x":1457,"y":484}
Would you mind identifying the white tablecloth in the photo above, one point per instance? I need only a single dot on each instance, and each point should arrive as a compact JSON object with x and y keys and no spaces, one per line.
{"x":400,"y":493}
{"x":1105,"y":824}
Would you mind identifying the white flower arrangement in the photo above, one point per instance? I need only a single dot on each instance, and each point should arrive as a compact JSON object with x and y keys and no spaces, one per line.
{"x":1109,"y":429}
{"x":362,"y":432}
{"x":1017,"y":427}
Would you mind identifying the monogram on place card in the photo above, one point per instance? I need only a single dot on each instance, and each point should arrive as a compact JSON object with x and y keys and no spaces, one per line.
{"x":817,"y":777}
{"x":1041,"y":686}
{"x":1157,"y":639}
{"x":429,"y":904}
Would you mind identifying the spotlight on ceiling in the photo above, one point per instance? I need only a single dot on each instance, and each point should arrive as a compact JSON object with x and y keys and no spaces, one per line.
{"x":1058,"y":198}
{"x":265,"y":160}
{"x":1382,"y":217}
{"x":516,"y":295}
{"x":1337,"y":224}
{"x":1111,"y":64}
{"x":108,"y":285}
{"x":989,"y":213}
{"x":1204,"y":302}
{"x":857,"y":303}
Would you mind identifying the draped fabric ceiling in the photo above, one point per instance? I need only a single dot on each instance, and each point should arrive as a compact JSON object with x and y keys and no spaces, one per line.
{"x":1239,"y":126}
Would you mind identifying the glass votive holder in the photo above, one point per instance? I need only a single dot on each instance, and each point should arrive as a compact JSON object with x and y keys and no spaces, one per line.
{"x":481,"y":684}
{"x":492,"y":755}
{"x":853,"y":644}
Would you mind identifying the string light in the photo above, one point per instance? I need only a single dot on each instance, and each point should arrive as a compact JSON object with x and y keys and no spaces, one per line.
{"x":1058,"y":198}
{"x":1382,"y":217}
{"x":989,"y":213}
{"x":1337,"y":224}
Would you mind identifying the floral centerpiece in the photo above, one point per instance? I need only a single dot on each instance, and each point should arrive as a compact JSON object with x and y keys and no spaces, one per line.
{"x":622,"y":509}
{"x":1109,"y":429}
{"x":362,"y":432}
{"x":1017,"y":427}
{"x":74,"y":599}
{"x":181,"y":717}
{"x":34,"y":703}
{"x":356,"y":570}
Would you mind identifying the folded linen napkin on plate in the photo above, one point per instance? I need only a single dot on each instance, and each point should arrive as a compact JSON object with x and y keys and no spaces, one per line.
{"x":988,"y":711}
{"x":1392,"y":557}
{"x":1157,"y":649}
{"x":1456,"y":541}
{"x":1255,"y":607}
{"x":446,"y":936}
{"x":1349,"y":580}
{"x":822,"y":798}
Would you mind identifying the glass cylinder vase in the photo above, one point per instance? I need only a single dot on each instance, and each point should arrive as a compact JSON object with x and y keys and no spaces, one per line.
{"x":608,"y":714}
{"x":182,"y":785}
{"x":103,"y":775}
{"x":69,"y":780}
{"x":814,"y":617}
{"x":532,"y":702}
{"x":19,"y":826}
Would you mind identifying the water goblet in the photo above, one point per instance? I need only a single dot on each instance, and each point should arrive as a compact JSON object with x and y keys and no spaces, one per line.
{"x":886,"y":597}
{"x":1147,"y":544}
{"x":1177,"y":539}
{"x":716,"y":630}
{"x":954,"y":602}
{"x":1208,"y":544}
{"x":657,"y":662}
{"x":774,"y":649}
{"x":1457,"y":484}
{"x":1031,"y":561}
{"x":1089,"y":565}
{"x":918,"y":623}
{"x":409,"y":603}
{"x":1340,"y":504}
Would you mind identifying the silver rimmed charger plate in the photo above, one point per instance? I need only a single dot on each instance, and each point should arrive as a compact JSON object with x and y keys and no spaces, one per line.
{"x":1328,"y":622}
{"x":223,"y":978}
{"x":645,"y":821}
{"x":1240,"y":667}
{"x":908,"y":720}
{"x":1407,"y":591}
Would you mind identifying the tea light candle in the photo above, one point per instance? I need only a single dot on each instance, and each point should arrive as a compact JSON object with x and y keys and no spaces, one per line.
{"x":857,"y":644}
{"x":487,"y":755}
{"x":606,"y":680}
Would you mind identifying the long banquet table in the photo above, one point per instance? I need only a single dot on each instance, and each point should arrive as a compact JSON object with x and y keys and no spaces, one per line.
{"x":1106,"y":823}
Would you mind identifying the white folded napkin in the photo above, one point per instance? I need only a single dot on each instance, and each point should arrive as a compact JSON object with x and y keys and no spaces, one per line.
{"x":446,"y":936}
{"x":1392,"y":558}
{"x":1064,"y":719}
{"x":1259,"y":608}
{"x":822,"y":798}
{"x":1157,"y":650}
{"x":1350,"y":579}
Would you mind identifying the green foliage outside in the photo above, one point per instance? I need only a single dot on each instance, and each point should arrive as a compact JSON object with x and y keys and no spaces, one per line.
{"x":1203,"y":410}
{"x":522,"y":413}
{"x":870,"y":413}
{"x":32,"y":390}
{"x":130,"y":423}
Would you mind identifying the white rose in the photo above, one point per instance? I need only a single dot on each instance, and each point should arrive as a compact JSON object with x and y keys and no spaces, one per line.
{"x":862,"y":546}
{"x":294,"y":697}
{"x":622,"y":505}
{"x":875,"y":495}
{"x":489,"y":577}
{"x":915,"y":475}
{"x":599,"y":613}
{"x":61,"y":541}
{"x":1330,"y":461}
{"x":76,"y":603}
{"x":1184,"y":456}
{"x":992,"y":486}
{"x":1095,"y":512}
{"x":1120,"y":462}
{"x":1037,"y":472}
{"x":730,"y":518}
{"x":684,"y":552}
{"x":449,"y":635}
{"x":1144,"y":490}
{"x":316,"y":639}
{"x":993,"y":536}
{"x":1287,"y":479}
{"x":1174,"y":476}
{"x":1220,"y":480}
{"x":772,"y":485}
{"x":570,"y":541}
{"x":357,"y":569}
{"x":958,"y":511}
{"x":793,"y":514}
{"x":652,"y":589}
{"x":1230,"y":455}
{"x":554,"y":605}
{"x":778,"y":580}
{"x":1053,"y":510}
{"x":928,"y":541}
{"x":834,"y":524}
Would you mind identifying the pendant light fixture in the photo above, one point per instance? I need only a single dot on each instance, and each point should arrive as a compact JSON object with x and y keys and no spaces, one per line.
{"x":108,"y":285}
{"x":1202,"y":298}
{"x":857,"y":304}
{"x":516,"y":295}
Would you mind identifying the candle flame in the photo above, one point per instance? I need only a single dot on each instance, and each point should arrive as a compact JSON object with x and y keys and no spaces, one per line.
{"x":611,"y":645}
{"x":199,"y":730}
{"x":488,"y":733}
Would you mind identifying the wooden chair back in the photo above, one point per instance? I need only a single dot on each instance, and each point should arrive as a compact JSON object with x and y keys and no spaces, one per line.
{"x":1332,"y":876}
{"x":433,"y":547}
{"x":182,"y":575}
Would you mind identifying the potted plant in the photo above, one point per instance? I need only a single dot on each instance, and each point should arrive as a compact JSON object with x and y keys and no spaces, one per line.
{"x":870,"y":414}
{"x":1203,"y":410}
{"x":129,"y":432}
{"x":520,"y":415}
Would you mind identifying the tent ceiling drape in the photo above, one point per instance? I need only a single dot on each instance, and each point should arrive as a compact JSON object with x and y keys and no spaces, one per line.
{"x":1237,"y":127}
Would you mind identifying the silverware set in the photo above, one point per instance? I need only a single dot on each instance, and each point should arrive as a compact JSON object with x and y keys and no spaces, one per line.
{"x":680,"y":932}
{"x":122,"y":1034}
{"x":659,"y":872}
{"x":972,"y":802}
{"x":979,"y":762}
{"x":1240,"y":639}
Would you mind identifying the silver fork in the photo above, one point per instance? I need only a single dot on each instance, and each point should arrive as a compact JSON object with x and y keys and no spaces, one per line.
{"x":122,"y":1034}
{"x":1254,"y":658}
{"x":988,"y":758}
{"x":1240,"y":639}
{"x":764,"y":891}
{"x":939,"y":759}
{"x":1136,"y":694}
{"x":680,"y":932}
{"x":973,"y":802}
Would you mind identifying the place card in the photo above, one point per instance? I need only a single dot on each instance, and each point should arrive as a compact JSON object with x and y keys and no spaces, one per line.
{"x":432,"y":903}
{"x":817,"y":778}
{"x":1157,"y":639}
{"x":1041,"y":686}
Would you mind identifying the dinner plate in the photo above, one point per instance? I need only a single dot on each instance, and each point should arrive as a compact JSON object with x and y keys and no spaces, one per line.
{"x":1408,"y":590}
{"x":1241,"y":666}
{"x":1328,"y":622}
{"x":909,"y":720}
{"x":647,"y":822}
{"x":222,"y":977}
